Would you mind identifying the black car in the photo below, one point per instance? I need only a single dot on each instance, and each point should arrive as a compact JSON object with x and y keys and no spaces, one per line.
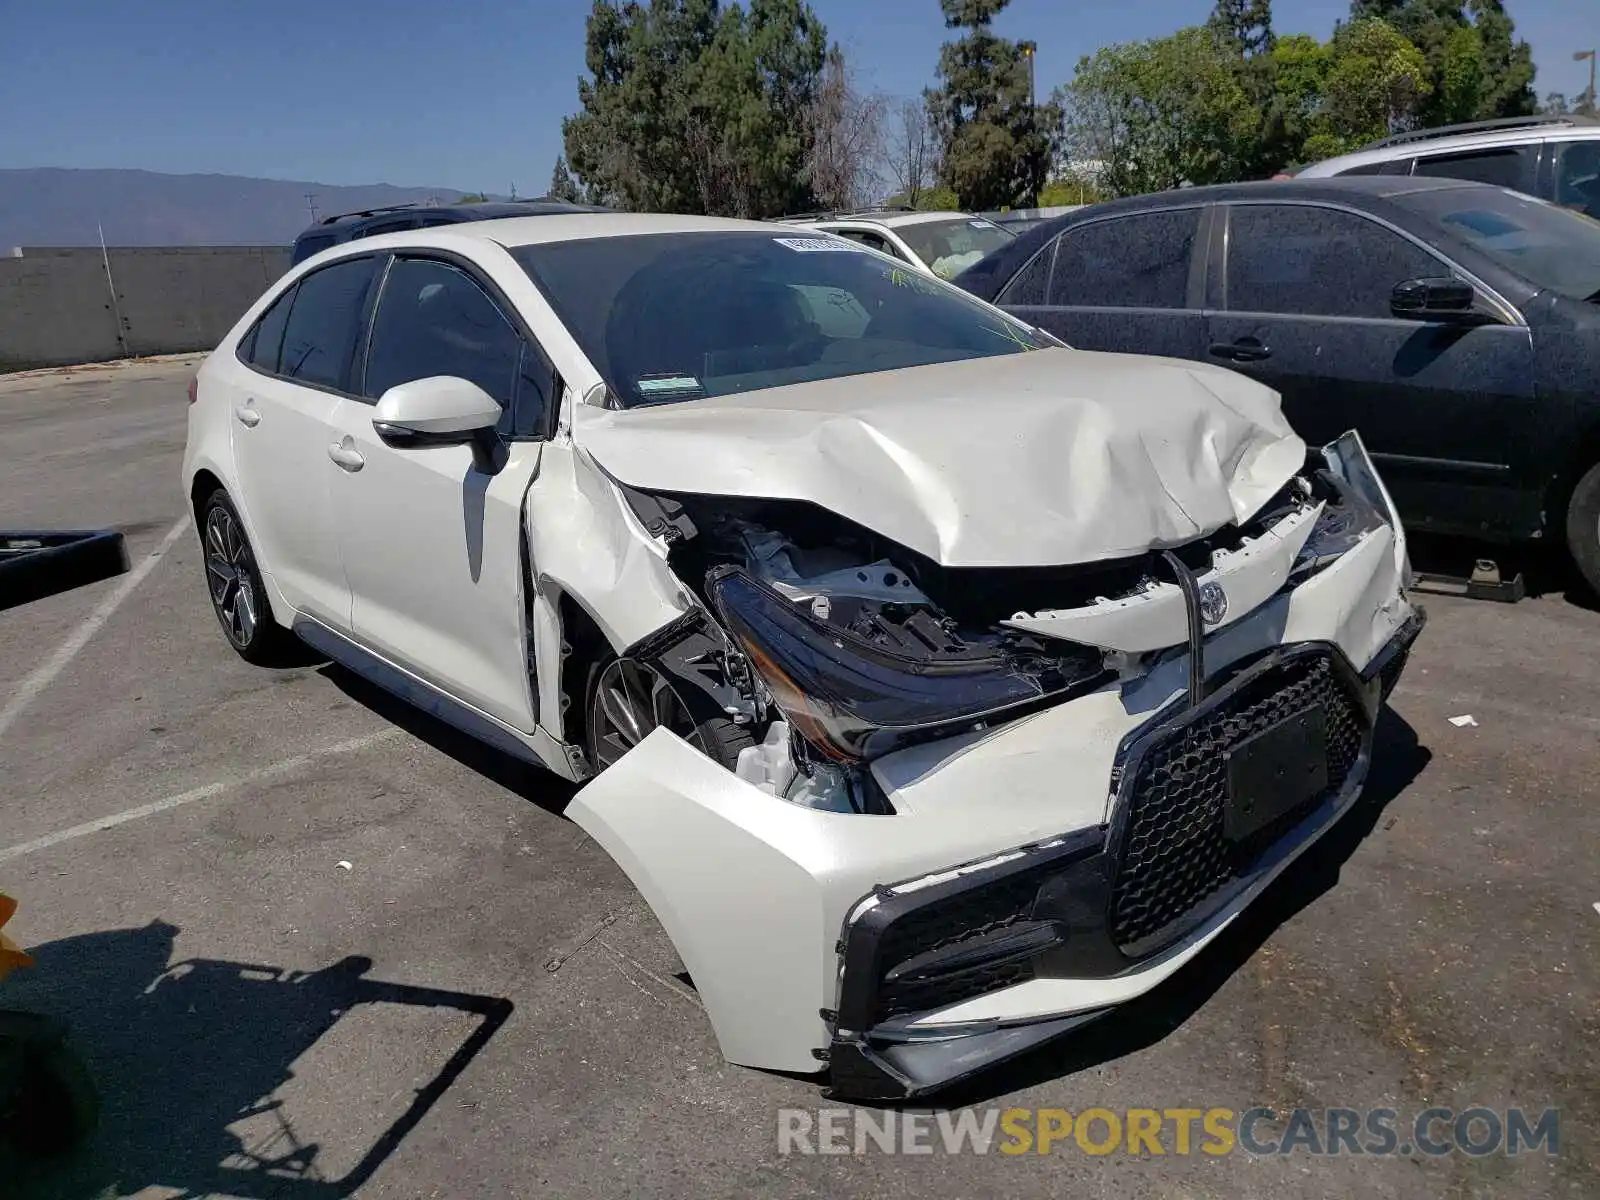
{"x":1455,"y":325}
{"x":346,"y":227}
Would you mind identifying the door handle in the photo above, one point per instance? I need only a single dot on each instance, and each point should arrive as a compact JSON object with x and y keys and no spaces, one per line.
{"x":1246,"y":349}
{"x":348,"y":458}
{"x":249,"y":416}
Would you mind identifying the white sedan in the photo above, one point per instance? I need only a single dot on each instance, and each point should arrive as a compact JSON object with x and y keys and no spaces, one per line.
{"x":941,"y":687}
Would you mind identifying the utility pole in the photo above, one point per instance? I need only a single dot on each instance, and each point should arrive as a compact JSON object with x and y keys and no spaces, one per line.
{"x":1030,"y":51}
{"x":513,"y":191}
{"x":311,"y":206}
{"x":1587,"y":104}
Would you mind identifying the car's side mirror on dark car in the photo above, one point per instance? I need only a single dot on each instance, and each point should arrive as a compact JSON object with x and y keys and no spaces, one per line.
{"x":1436,"y":298}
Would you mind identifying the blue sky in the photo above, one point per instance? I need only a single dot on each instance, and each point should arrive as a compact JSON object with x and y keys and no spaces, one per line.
{"x":470,"y":93}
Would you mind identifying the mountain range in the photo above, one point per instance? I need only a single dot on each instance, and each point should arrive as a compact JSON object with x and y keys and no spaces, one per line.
{"x":53,"y":206}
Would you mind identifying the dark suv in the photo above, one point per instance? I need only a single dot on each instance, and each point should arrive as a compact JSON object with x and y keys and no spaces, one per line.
{"x":346,"y":227}
{"x":1455,"y":325}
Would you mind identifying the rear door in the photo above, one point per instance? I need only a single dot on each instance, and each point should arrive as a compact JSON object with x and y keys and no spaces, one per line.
{"x":430,"y":535}
{"x":1303,"y":306}
{"x":299,"y":355}
{"x":1130,"y":283}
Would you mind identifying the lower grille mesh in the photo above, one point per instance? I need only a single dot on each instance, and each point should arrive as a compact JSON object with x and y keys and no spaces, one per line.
{"x":1174,"y":855}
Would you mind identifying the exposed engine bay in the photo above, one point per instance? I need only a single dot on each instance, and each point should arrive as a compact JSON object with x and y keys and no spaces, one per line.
{"x":834,"y":645}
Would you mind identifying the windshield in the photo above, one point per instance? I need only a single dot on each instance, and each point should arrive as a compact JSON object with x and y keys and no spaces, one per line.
{"x":672,"y":317}
{"x":1549,"y":246}
{"x":950,"y":247}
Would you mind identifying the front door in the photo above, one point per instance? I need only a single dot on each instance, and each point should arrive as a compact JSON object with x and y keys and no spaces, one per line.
{"x":1444,"y":409}
{"x":1120,"y":284}
{"x":431,"y":535}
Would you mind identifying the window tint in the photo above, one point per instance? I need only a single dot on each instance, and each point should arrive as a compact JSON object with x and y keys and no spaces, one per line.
{"x":320,"y":338}
{"x":267,"y":336}
{"x":1031,"y":285}
{"x":1317,"y":261}
{"x":1138,"y":261}
{"x":389,"y":225}
{"x":433,"y":319}
{"x":312,"y":243}
{"x":1387,"y":166}
{"x":1578,"y":176}
{"x":1502,"y":166}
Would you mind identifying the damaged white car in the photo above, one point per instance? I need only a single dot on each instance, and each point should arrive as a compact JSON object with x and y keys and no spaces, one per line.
{"x":943,"y":687}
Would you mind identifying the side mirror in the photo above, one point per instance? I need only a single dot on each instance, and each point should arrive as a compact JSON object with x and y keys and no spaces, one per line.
{"x":1432,"y":299}
{"x":439,"y":410}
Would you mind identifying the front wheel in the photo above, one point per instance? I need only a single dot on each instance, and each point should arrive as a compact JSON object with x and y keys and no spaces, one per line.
{"x":1583,"y":527}
{"x":238,"y":596}
{"x":629,"y":699}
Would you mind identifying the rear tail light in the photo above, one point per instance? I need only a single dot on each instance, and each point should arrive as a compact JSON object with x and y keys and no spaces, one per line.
{"x":194,"y":388}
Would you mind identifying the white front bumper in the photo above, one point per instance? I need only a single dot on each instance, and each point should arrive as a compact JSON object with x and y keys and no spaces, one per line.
{"x":754,"y":891}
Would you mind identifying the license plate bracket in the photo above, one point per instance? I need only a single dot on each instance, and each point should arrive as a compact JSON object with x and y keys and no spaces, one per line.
{"x":1275,"y":772}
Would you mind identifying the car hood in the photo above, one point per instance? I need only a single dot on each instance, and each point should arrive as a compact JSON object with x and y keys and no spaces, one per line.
{"x":1038,"y":459}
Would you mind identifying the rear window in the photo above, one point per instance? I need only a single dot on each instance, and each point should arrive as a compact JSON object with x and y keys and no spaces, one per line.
{"x":312,"y":243}
{"x":950,"y":247}
{"x":672,"y":317}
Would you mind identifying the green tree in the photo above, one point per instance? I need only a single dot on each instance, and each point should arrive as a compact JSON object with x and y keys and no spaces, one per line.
{"x":562,"y":185}
{"x":690,"y":106}
{"x":1300,"y":66}
{"x":1504,"y":85}
{"x":1161,"y":113}
{"x":1376,"y":80}
{"x":996,"y":143}
{"x":473,"y":198}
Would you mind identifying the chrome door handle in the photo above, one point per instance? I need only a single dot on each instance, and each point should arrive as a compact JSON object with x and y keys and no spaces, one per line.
{"x":346,"y":457}
{"x":248,"y":416}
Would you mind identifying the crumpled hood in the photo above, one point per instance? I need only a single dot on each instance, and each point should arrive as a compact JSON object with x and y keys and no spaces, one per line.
{"x":1038,"y":459}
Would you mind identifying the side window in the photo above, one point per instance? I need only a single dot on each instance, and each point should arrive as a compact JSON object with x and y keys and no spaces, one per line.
{"x":1578,"y":175}
{"x":389,"y":225}
{"x":265,"y":341}
{"x":1387,"y":166}
{"x":1317,"y":262}
{"x":872,"y":241}
{"x":434,"y":319}
{"x":320,"y":337}
{"x":1031,"y":285}
{"x":1505,"y":166}
{"x":1137,"y":261}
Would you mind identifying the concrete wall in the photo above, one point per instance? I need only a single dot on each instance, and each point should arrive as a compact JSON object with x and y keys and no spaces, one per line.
{"x":55,"y":304}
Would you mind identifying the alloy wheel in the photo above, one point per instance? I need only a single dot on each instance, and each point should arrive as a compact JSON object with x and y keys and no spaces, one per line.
{"x":228,"y":575}
{"x":630,"y":700}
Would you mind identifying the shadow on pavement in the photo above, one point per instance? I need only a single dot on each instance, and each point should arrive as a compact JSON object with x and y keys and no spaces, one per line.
{"x":534,"y":784}
{"x":1546,"y":568}
{"x":179,"y":1052}
{"x":1397,"y":759}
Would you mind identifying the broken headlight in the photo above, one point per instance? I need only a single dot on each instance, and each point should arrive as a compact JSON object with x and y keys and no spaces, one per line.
{"x":1353,"y":505}
{"x":858,"y":679}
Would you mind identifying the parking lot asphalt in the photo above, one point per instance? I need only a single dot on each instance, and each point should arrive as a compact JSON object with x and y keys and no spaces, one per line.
{"x":311,"y":943}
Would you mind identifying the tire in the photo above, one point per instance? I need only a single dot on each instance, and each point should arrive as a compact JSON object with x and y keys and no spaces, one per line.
{"x":238,"y":597}
{"x":1583,"y":527}
{"x":688,"y":715}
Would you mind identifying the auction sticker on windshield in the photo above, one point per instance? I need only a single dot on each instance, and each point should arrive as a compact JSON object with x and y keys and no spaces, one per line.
{"x":817,"y":245}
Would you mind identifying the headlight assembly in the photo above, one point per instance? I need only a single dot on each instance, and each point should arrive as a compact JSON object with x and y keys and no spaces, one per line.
{"x":854,"y":696}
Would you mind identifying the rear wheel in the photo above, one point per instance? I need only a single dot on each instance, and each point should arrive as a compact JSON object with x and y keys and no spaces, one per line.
{"x":629,"y":699}
{"x":1583,"y":527}
{"x":238,"y":596}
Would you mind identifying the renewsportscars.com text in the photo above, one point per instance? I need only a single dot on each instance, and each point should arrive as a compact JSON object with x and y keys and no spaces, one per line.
{"x":1476,"y":1131}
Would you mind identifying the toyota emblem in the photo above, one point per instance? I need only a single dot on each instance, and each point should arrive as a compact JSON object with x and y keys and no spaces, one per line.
{"x":1213,"y":603}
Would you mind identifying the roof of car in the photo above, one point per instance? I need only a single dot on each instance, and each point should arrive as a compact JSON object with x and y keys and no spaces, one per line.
{"x":1428,"y":142}
{"x":527,"y":230}
{"x":890,"y":217}
{"x":1337,"y":187}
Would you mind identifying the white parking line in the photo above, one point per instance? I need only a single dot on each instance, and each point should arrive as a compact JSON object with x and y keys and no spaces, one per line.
{"x":42,"y":678}
{"x":207,"y":792}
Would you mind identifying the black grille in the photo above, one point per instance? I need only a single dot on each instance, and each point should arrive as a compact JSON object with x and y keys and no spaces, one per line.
{"x":1174,"y":855}
{"x":963,"y":917}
